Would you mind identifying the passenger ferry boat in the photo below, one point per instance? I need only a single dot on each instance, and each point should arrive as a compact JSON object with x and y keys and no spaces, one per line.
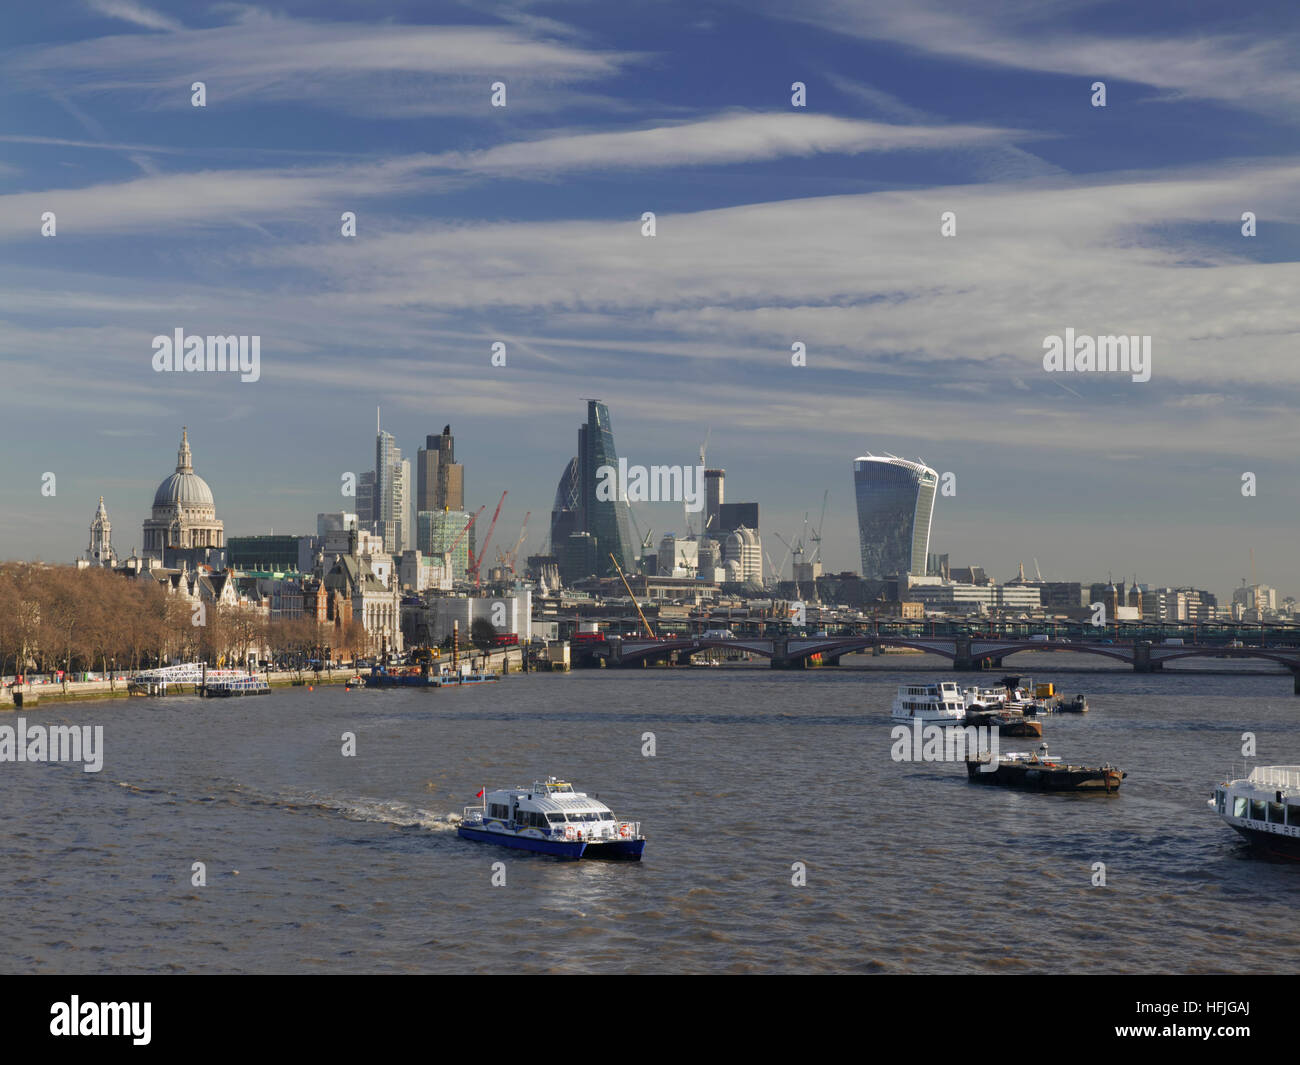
{"x":243,"y":684}
{"x":423,"y":677}
{"x":552,"y":818}
{"x":941,"y":702}
{"x":1264,"y":807}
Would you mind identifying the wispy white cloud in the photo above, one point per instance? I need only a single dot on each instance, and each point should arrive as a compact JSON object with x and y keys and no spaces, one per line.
{"x":210,"y":197}
{"x":137,"y":14}
{"x":1252,"y":70}
{"x":721,"y":139}
{"x":364,"y":68}
{"x":867,"y":281}
{"x":159,"y":202}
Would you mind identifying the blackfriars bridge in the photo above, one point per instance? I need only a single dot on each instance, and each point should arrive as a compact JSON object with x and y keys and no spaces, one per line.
{"x":967,"y":652}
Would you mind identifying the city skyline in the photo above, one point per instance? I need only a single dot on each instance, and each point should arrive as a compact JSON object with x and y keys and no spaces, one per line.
{"x":128,"y":525}
{"x":779,"y":227}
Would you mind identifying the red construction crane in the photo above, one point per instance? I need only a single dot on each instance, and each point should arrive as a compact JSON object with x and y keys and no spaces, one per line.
{"x":476,"y":564}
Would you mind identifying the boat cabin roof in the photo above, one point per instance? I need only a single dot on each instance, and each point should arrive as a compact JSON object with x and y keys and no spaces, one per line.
{"x":549,"y":795}
{"x":1270,"y":779}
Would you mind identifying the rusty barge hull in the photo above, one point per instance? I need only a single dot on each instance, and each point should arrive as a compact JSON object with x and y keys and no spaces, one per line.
{"x":1040,"y":777}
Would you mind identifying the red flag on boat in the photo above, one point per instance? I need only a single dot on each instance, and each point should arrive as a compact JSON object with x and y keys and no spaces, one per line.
{"x":480,"y":794}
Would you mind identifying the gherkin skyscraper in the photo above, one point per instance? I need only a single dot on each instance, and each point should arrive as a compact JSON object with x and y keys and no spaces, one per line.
{"x":606,"y":520}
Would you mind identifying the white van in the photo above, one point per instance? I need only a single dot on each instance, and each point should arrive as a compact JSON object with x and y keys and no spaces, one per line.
{"x":1040,"y":638}
{"x":719,"y":634}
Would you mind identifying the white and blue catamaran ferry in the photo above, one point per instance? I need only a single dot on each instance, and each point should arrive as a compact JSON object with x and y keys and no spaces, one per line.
{"x":551,"y":818}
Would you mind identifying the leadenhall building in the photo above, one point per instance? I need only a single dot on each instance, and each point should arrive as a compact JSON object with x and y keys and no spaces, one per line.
{"x":184,"y":531}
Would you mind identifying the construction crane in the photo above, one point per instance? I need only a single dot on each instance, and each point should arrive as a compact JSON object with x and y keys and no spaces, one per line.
{"x":792,"y":549}
{"x":476,"y":564}
{"x":649,"y":631}
{"x":704,"y":525}
{"x":816,"y":537}
{"x":646,"y":539}
{"x":773,"y":572}
{"x":508,"y":558}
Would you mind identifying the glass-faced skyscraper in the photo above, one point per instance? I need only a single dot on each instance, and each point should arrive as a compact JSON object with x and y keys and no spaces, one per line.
{"x":586,"y":530}
{"x":606,"y":520}
{"x":389,"y":490}
{"x":895,"y":505}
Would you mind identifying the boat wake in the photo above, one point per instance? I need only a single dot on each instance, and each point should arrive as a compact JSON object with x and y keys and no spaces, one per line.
{"x":353,"y":808}
{"x":362,"y":808}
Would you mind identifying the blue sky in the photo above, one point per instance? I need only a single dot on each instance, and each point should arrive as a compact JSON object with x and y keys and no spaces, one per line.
{"x":775,"y":224}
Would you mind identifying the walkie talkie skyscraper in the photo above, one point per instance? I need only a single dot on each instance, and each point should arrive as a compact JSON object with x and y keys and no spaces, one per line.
{"x":895,"y":506}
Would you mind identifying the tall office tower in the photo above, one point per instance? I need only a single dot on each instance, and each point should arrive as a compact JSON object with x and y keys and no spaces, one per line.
{"x":366,"y":501}
{"x":406,"y":536}
{"x":713,"y":486}
{"x":451,"y":474}
{"x":440,"y":478}
{"x":436,"y":533}
{"x":606,"y":520}
{"x":388,"y":489}
{"x":426,"y":476}
{"x":895,"y":508}
{"x":732,"y":516}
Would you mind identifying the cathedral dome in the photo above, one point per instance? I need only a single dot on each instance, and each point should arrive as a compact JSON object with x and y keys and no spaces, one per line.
{"x":184,"y":488}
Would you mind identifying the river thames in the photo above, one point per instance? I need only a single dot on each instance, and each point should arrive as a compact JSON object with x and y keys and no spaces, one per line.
{"x":318,"y":863}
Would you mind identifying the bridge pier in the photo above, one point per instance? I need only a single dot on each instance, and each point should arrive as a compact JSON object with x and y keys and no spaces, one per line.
{"x":1142,"y":662}
{"x":962,"y":660}
{"x":1295,"y":676}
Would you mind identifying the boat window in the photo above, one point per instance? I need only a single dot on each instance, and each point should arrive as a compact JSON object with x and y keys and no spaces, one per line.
{"x":1257,"y":809}
{"x":1275,"y":813}
{"x":1239,"y":806}
{"x":555,"y":818}
{"x":1293,"y":815}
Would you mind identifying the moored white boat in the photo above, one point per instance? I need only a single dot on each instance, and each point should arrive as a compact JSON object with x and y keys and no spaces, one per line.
{"x":984,"y":698}
{"x":552,"y":818}
{"x":941,"y":702}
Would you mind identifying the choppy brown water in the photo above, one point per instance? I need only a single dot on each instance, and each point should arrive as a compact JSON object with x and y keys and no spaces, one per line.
{"x":351,"y":865}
